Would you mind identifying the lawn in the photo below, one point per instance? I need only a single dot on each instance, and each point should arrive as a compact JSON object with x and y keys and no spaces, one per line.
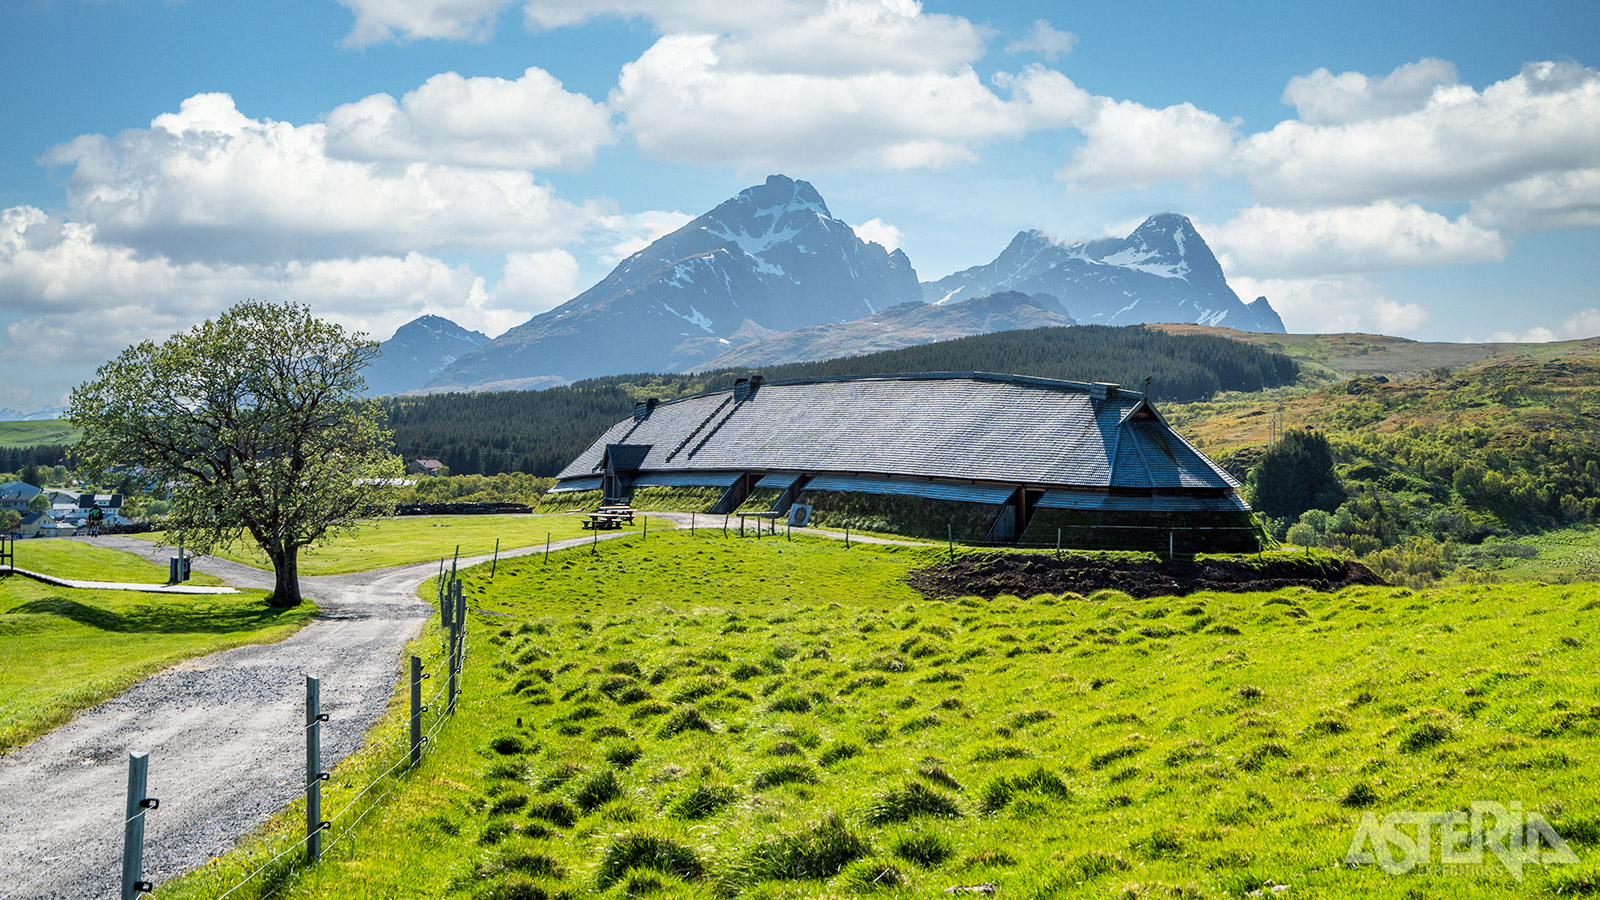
{"x":30,"y":434}
{"x":63,"y":650}
{"x":700,"y":716}
{"x":381,"y":543}
{"x":1567,"y":554}
{"x":79,"y":561}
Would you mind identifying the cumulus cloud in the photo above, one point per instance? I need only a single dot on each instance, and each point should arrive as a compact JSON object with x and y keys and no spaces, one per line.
{"x":628,"y":233}
{"x":1459,"y":144}
{"x":528,"y":123}
{"x":1265,"y":242}
{"x":532,"y":283}
{"x":1134,"y":146}
{"x":378,"y":21}
{"x":682,"y":103}
{"x":879,"y":232}
{"x":1585,"y":323}
{"x":71,"y":299}
{"x":1333,"y":305}
{"x":1543,"y":202}
{"x":1323,"y":98}
{"x":1044,"y":40}
{"x":209,"y":182}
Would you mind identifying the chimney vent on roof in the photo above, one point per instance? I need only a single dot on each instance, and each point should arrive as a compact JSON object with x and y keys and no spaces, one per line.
{"x":745,"y":388}
{"x":1103,"y":390}
{"x":644,"y":408}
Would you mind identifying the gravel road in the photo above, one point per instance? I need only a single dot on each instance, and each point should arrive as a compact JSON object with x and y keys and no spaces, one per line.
{"x":224,"y":733}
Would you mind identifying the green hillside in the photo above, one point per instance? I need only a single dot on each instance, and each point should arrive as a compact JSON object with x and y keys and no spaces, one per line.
{"x":542,"y":431}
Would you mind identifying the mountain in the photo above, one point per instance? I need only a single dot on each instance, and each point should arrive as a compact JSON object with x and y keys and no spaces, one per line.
{"x":7,"y":414}
{"x":419,"y":350}
{"x":772,"y":259}
{"x":1162,"y":272}
{"x":906,"y":325}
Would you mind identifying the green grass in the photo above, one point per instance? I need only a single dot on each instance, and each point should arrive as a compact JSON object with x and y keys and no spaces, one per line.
{"x":382,"y":543}
{"x":1205,"y":746}
{"x":78,"y":561}
{"x":1568,"y":554}
{"x":31,"y":434}
{"x":63,"y":650}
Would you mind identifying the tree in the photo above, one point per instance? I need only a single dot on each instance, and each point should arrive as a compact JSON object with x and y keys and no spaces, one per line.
{"x":31,"y":475}
{"x":39,"y":503}
{"x":9,"y":520}
{"x":257,"y":416}
{"x":1294,"y":475}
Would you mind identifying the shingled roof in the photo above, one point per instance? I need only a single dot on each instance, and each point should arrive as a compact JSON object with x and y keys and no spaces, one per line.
{"x":971,"y":427}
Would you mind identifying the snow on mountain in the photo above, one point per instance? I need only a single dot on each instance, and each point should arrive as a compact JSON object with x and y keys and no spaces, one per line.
{"x":419,"y":350}
{"x":49,"y":413}
{"x":772,"y":259}
{"x":1162,"y":272}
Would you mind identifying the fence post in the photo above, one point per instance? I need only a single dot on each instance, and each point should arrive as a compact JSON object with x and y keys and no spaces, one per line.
{"x":453,"y":560}
{"x":950,"y":532}
{"x":691,"y":524}
{"x":416,"y":710}
{"x":314,"y":774}
{"x":1058,"y":545}
{"x":133,"y":883}
{"x":455,"y":647}
{"x":547,"y":546}
{"x":495,"y":564}
{"x":847,"y":537}
{"x":1169,"y":546}
{"x":595,"y":547}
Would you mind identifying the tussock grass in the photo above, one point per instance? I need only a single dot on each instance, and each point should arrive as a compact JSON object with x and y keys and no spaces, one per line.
{"x":1151,"y":776}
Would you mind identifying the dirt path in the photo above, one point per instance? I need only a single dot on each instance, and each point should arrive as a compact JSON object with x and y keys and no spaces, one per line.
{"x":224,"y":733}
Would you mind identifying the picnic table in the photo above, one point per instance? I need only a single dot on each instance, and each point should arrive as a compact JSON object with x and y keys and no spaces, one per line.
{"x":609,"y":517}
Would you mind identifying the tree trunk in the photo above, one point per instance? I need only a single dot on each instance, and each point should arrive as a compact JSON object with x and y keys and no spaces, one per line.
{"x":286,"y":569}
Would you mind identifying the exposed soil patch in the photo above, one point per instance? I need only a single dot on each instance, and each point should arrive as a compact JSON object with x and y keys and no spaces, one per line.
{"x":1026,"y":574}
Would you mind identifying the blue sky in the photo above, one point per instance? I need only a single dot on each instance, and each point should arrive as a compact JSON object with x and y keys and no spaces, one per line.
{"x":1424,"y":169}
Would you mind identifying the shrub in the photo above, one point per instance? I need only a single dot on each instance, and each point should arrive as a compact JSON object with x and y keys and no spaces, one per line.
{"x":647,"y":851}
{"x":914,"y":799}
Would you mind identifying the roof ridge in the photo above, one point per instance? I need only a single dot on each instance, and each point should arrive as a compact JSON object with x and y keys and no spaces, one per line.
{"x":1083,"y":387}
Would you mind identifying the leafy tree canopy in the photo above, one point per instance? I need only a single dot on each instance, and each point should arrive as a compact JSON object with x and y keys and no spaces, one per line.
{"x":257,"y":417}
{"x":1295,"y":475}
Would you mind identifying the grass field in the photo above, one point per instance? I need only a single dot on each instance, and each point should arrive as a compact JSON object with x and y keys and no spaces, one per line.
{"x":29,"y":434}
{"x":78,"y":561}
{"x":63,"y":650}
{"x":709,"y":717}
{"x":396,"y":542}
{"x":1568,"y":554}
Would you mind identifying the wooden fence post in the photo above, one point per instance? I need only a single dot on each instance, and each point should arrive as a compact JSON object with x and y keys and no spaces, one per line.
{"x":133,"y":883}
{"x":455,"y":643}
{"x":495,"y":564}
{"x":314,"y":774}
{"x":547,"y":546}
{"x":416,"y":710}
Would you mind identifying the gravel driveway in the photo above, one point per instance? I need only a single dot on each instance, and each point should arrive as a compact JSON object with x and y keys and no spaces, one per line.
{"x":224,"y":733}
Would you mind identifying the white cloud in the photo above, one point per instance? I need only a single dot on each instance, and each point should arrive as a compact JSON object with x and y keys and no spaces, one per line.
{"x":528,"y":123}
{"x":1458,"y":145}
{"x":1044,"y":40}
{"x":71,"y":300}
{"x":210,"y":183}
{"x":630,"y":233}
{"x":533,"y":283}
{"x":682,"y":103}
{"x":378,"y":21}
{"x":1333,"y":305}
{"x":1323,"y":98}
{"x":879,"y":232}
{"x":1543,"y":202}
{"x":1585,"y":323}
{"x":1131,"y":145}
{"x":671,"y":15}
{"x":1267,"y":242}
